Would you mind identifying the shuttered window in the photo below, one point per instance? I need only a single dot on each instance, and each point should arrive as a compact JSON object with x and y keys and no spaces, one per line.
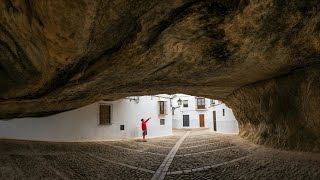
{"x":104,"y":114}
{"x":162,"y":107}
{"x":201,"y":103}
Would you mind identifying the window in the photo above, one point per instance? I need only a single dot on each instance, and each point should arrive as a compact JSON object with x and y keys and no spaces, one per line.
{"x":201,"y":103}
{"x":185,"y":120}
{"x":162,"y":107}
{"x":185,"y":103}
{"x":104,"y":114}
{"x":212,"y":102}
{"x":121,"y":127}
{"x":162,"y":121}
{"x":223,"y":112}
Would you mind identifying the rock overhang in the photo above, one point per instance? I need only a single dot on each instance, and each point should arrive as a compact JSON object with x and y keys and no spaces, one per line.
{"x":60,"y":55}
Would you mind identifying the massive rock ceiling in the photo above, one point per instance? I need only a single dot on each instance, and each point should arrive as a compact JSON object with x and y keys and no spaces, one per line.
{"x":261,"y":57}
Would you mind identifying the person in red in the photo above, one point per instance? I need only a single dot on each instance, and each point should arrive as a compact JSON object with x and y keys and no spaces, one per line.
{"x":144,"y":128}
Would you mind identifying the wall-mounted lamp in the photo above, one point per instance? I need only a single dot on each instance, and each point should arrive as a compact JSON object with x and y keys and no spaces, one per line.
{"x":133,"y":98}
{"x":179,"y":102}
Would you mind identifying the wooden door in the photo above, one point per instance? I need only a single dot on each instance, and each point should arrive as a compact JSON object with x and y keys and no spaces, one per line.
{"x":214,"y":121}
{"x":201,"y":119}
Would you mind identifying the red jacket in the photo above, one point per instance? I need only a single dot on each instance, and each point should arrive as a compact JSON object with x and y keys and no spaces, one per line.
{"x":144,"y":124}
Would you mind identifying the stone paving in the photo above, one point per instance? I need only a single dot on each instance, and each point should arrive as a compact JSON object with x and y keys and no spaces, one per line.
{"x":196,"y":154}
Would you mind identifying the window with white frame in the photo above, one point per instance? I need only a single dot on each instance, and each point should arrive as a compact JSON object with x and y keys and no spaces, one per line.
{"x":185,"y":103}
{"x":162,"y":121}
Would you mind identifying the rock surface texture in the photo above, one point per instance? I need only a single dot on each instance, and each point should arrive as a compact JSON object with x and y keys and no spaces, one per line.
{"x":261,"y":57}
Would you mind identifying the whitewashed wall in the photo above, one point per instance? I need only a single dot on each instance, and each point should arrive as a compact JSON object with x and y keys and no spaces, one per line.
{"x":225,"y":124}
{"x":228,"y":123}
{"x":83,"y":124}
{"x":192,"y":112}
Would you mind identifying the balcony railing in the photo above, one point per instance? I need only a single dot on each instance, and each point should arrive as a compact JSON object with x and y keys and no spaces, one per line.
{"x":201,"y":107}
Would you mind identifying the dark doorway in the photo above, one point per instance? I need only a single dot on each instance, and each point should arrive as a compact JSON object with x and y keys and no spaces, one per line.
{"x":214,"y":121}
{"x":185,"y":120}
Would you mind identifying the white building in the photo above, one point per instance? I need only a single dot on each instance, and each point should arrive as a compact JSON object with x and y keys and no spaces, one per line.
{"x":100,"y":121}
{"x":198,"y":112}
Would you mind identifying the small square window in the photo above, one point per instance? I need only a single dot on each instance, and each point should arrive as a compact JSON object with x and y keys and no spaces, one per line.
{"x":121,"y":127}
{"x":185,"y":103}
{"x":213,"y":102}
{"x":162,"y":122}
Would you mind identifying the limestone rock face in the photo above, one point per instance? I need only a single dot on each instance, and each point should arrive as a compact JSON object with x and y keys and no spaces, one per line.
{"x":283,"y":111}
{"x":260,"y":57}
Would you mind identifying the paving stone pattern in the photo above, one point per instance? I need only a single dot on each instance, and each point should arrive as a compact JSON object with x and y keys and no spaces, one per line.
{"x":194,"y":154}
{"x":164,"y":167}
{"x":209,"y":147}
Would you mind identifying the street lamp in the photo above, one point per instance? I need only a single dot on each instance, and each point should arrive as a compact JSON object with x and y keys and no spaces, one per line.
{"x":133,"y":98}
{"x":179,"y":102}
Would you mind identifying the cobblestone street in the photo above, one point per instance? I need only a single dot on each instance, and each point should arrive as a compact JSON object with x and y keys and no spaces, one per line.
{"x":196,"y":154}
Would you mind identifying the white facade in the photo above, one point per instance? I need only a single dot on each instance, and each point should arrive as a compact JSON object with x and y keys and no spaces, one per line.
{"x":225,"y":122}
{"x":83,"y":124}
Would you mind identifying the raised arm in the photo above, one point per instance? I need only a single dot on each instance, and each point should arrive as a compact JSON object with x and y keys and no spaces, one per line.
{"x":148,"y":119}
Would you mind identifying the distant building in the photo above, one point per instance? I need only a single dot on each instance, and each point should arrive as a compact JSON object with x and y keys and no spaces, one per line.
{"x":112,"y":120}
{"x":99,"y":121}
{"x":200,"y":112}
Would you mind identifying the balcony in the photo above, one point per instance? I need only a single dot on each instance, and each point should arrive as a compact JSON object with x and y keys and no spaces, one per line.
{"x":201,"y":108}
